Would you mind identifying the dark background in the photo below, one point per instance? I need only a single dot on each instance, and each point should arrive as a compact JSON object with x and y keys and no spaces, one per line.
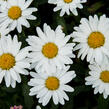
{"x":83,"y":97}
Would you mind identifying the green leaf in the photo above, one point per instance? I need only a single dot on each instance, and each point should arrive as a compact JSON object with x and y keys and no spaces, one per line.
{"x":80,"y":89}
{"x":9,"y":89}
{"x":39,"y":2}
{"x":53,"y":106}
{"x":95,"y":6}
{"x":59,"y":21}
{"x":27,"y":99}
{"x":103,"y":103}
{"x":69,"y":104}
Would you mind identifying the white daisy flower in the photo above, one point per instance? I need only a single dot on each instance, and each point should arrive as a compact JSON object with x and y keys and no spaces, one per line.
{"x":16,"y":14}
{"x":67,"y":5}
{"x":13,"y":61}
{"x":51,"y":83}
{"x":92,"y":37}
{"x":38,"y":107}
{"x":99,"y":78}
{"x":50,"y":48}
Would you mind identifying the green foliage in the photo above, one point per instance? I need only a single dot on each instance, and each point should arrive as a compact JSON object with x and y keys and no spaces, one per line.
{"x":27,"y":99}
{"x":83,"y":97}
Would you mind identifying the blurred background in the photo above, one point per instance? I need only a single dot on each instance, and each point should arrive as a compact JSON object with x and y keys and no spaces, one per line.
{"x":83,"y":97}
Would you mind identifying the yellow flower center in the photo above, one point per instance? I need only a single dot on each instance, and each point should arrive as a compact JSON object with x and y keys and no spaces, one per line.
{"x":50,"y":50}
{"x":105,"y":76}
{"x":68,"y":1}
{"x":14,"y":12}
{"x":7,"y":61}
{"x":96,"y":39}
{"x":52,"y":83}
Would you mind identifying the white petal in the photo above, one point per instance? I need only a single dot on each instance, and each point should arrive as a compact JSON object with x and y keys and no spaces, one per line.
{"x":55,"y":98}
{"x":2,"y":75}
{"x":13,"y":74}
{"x":46,"y":98}
{"x":7,"y":78}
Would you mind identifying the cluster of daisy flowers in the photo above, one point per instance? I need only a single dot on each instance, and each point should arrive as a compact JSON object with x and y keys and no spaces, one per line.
{"x":92,"y":42}
{"x":50,"y":52}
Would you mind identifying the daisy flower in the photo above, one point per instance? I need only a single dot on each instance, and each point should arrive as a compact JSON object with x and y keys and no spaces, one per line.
{"x":92,"y":37}
{"x":67,"y":5}
{"x":16,"y":13}
{"x":99,"y":78}
{"x":13,"y":61}
{"x":50,"y":48}
{"x":52,"y":83}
